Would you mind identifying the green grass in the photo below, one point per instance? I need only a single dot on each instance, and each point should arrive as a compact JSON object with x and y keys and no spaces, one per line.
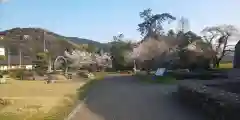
{"x":226,"y":65}
{"x":156,"y":79}
{"x":100,"y":75}
{"x":83,"y":91}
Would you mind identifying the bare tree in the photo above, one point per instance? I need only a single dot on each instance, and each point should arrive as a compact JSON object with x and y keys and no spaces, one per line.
{"x":217,"y":37}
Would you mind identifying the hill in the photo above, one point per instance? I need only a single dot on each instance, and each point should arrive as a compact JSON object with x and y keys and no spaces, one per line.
{"x":99,"y":45}
{"x":31,"y":41}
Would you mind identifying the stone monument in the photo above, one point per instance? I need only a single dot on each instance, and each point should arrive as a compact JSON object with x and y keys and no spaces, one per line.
{"x":236,"y":61}
{"x":234,"y":73}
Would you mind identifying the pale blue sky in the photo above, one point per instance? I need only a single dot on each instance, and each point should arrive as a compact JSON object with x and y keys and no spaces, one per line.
{"x":101,"y":19}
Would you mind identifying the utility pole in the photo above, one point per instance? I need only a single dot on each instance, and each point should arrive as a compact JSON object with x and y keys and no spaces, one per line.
{"x":20,"y":53}
{"x":20,"y":57}
{"x":44,"y":42}
{"x":48,"y":56}
{"x":183,"y":25}
{"x":9,"y":60}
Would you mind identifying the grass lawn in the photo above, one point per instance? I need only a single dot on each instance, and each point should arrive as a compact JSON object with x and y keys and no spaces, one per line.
{"x":34,"y":100}
{"x":156,"y":79}
{"x":226,"y":65}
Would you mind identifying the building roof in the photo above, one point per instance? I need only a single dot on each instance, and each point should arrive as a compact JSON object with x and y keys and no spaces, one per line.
{"x":15,"y":60}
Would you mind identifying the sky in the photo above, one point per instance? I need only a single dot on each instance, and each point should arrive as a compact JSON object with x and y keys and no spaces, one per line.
{"x":99,"y":20}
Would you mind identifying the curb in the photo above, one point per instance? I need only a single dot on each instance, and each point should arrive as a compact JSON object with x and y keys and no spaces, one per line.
{"x":75,"y":110}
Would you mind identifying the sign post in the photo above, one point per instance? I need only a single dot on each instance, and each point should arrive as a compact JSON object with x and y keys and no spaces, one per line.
{"x":160,"y":71}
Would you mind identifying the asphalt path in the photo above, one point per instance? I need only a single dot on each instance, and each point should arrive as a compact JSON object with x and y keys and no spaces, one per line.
{"x":126,"y":98}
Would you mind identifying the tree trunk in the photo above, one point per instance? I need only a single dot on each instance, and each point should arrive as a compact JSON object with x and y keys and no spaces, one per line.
{"x":218,"y":62}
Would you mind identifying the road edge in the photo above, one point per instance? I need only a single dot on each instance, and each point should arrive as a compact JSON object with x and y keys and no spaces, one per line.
{"x":76,"y":109}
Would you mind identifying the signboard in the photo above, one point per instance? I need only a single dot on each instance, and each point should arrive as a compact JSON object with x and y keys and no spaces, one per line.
{"x":160,"y":71}
{"x":2,"y":51}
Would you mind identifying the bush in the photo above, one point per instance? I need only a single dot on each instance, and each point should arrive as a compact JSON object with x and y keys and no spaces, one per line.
{"x":5,"y":102}
{"x":20,"y":74}
{"x":17,"y":73}
{"x":82,"y":74}
{"x":40,"y":72}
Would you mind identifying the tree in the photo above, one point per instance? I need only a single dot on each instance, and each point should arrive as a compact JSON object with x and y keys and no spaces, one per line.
{"x":103,"y":61}
{"x":171,"y":33}
{"x":41,"y":63}
{"x":91,"y":48}
{"x":187,"y":38}
{"x":217,"y":37}
{"x":152,"y":23}
{"x":151,"y":53}
{"x":190,"y":47}
{"x":184,"y":34}
{"x":119,"y":37}
{"x":179,"y":34}
{"x":118,"y":51}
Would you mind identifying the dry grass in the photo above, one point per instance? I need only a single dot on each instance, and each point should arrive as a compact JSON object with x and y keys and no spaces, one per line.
{"x":17,"y":88}
{"x":29,"y":98}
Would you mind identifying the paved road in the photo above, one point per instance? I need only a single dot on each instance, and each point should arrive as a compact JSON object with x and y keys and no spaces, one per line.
{"x":125,"y":98}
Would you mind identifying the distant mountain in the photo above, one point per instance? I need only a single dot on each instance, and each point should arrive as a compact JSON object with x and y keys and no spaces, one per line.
{"x":31,"y":41}
{"x":99,"y":45}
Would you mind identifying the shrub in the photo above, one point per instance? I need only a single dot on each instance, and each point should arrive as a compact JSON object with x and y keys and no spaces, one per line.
{"x":40,"y":72}
{"x":17,"y":73}
{"x":5,"y":102}
{"x":20,"y":74}
{"x":4,"y":72}
{"x":82,"y":74}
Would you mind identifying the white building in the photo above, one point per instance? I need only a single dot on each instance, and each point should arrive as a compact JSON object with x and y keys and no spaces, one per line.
{"x":13,"y":62}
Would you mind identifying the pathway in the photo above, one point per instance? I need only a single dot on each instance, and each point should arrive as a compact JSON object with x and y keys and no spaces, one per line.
{"x":125,"y":98}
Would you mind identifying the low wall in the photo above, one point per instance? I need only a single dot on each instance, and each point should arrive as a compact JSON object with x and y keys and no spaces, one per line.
{"x":216,"y":103}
